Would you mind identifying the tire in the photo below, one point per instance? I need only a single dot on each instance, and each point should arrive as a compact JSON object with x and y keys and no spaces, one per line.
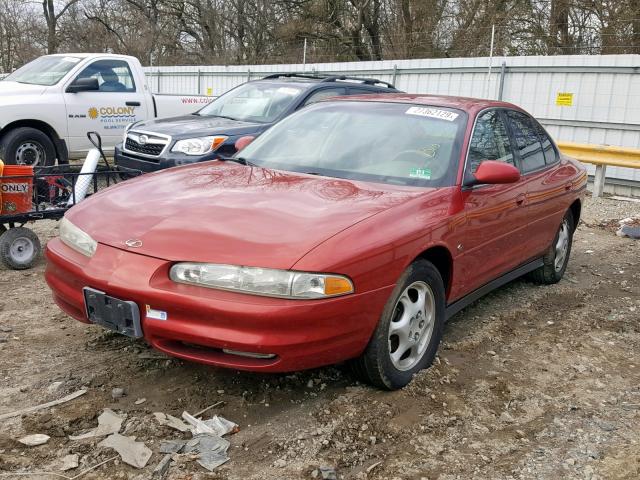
{"x":385,"y":363}
{"x":27,"y":146}
{"x":19,"y":248}
{"x":557,"y":257}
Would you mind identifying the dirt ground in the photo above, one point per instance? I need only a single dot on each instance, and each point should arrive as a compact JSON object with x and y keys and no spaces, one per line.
{"x":531,"y":383}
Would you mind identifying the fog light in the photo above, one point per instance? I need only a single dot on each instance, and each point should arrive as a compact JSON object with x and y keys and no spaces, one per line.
{"x":249,"y":354}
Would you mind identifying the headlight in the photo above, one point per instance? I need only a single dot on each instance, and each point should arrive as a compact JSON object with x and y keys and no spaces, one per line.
{"x":126,"y":130}
{"x":75,"y":238}
{"x":198,"y":146}
{"x":262,"y":281}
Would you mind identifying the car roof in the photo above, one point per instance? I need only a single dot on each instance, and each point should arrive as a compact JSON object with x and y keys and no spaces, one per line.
{"x":86,"y":55}
{"x":310,"y":79}
{"x":467,"y":104}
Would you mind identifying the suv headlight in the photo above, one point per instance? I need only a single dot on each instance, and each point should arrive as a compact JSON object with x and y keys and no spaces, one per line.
{"x":198,"y":146}
{"x":126,"y":130}
{"x":75,"y":238}
{"x":262,"y":281}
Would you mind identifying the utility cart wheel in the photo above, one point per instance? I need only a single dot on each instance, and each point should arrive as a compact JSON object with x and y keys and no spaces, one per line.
{"x":19,"y":248}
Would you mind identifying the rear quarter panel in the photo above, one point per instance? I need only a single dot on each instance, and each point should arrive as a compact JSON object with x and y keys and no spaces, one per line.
{"x":550,"y":193}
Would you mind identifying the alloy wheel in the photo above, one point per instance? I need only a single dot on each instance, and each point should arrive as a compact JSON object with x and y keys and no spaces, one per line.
{"x":411,"y":326}
{"x":562,"y":245}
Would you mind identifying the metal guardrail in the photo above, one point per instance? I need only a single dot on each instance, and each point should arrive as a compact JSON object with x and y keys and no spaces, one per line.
{"x":602,"y":156}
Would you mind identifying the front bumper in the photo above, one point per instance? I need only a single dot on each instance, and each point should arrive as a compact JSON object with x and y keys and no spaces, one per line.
{"x":201,"y":322}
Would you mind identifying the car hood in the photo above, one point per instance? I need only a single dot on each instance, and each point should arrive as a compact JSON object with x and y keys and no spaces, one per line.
{"x":189,"y":126}
{"x":222,"y":212}
{"x":15,"y":88}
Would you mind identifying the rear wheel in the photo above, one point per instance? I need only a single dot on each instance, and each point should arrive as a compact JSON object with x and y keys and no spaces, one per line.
{"x":409,"y":331}
{"x":27,"y":146}
{"x":19,"y":248}
{"x":557,"y":257}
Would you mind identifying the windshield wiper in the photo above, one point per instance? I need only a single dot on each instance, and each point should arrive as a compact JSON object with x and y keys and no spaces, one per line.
{"x":240,"y":160}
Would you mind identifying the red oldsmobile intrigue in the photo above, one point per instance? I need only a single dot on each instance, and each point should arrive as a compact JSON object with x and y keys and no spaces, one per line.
{"x":351,"y":230}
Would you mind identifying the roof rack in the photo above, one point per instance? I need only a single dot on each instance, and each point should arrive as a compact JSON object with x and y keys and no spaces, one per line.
{"x":330,"y":78}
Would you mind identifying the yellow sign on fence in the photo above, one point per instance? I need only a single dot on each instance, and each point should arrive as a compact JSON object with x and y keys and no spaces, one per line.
{"x":564,"y":99}
{"x":209,"y":91}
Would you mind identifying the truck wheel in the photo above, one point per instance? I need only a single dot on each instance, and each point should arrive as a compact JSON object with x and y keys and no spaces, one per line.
{"x":27,"y":146}
{"x":19,"y":248}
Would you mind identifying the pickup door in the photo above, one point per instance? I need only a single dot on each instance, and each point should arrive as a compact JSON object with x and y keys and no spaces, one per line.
{"x":120,"y":100}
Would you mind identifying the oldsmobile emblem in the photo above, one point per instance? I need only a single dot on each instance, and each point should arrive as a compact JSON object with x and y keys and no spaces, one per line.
{"x":133,"y":243}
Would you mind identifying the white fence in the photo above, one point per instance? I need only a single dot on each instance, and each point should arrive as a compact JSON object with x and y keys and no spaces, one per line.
{"x":604,"y":106}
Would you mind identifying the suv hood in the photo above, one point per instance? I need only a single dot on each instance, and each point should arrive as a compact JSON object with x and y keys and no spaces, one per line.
{"x":190,"y":126}
{"x":15,"y":88}
{"x":222,"y":212}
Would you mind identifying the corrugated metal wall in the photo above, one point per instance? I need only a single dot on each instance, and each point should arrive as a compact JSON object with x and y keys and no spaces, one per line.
{"x":606,"y":89}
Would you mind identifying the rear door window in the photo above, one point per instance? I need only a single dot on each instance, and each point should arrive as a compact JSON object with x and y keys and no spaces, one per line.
{"x":527,"y":141}
{"x":325,"y":93}
{"x":490,"y":141}
{"x":550,"y":153}
{"x":361,"y":91}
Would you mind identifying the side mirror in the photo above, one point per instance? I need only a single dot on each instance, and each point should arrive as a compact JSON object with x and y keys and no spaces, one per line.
{"x":492,"y":172}
{"x":83,"y":85}
{"x":243,"y":142}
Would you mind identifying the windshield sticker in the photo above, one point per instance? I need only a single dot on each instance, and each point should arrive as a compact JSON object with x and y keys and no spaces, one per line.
{"x":432,"y":113}
{"x":422,"y":173}
{"x":288,"y":91}
{"x":431,"y":150}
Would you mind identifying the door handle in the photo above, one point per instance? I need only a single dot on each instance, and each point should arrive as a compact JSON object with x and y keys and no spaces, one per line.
{"x":520,"y":199}
{"x":132,"y":104}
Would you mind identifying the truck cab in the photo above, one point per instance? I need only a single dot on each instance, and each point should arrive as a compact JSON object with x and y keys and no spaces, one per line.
{"x":48,"y":106}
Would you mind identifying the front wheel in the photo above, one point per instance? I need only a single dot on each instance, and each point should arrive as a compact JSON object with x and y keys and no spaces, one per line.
{"x":409,"y":331}
{"x":557,"y":257}
{"x":27,"y":146}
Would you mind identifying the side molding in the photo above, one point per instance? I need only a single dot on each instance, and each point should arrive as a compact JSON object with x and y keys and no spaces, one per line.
{"x":468,"y":299}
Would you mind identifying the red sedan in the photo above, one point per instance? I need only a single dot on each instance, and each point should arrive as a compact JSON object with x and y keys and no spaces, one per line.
{"x":351,"y":230}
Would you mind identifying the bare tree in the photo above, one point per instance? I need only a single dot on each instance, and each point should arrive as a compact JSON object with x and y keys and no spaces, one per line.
{"x":52,"y":18}
{"x":166,"y":32}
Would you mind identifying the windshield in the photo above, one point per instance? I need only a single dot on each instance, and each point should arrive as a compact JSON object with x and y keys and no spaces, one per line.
{"x":47,"y":70}
{"x":391,"y":143}
{"x":261,"y":102}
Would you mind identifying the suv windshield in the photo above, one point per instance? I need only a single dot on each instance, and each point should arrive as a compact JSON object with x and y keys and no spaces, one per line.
{"x":391,"y":143}
{"x":261,"y":102}
{"x":47,"y":70}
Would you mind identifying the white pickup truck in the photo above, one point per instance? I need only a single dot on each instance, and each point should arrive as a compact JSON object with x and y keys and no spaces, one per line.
{"x":48,"y":106}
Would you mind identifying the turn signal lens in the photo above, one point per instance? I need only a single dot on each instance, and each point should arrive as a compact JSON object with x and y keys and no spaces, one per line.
{"x":337,"y":286}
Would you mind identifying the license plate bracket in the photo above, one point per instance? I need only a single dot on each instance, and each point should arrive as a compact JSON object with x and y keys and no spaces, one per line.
{"x":122,"y":316}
